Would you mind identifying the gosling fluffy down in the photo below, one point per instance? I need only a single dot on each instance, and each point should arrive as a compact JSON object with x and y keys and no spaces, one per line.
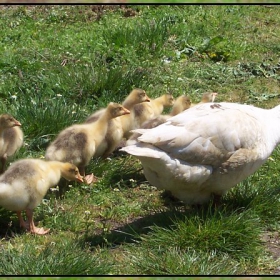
{"x":26,"y":182}
{"x":78,"y":143}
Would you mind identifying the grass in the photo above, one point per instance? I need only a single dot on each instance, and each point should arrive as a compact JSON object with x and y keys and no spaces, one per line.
{"x":52,"y":257}
{"x":61,"y":63}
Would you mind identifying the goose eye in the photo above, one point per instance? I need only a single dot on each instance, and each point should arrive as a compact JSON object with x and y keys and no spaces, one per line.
{"x":72,"y":170}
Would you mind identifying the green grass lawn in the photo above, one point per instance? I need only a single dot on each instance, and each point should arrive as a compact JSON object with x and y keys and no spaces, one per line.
{"x":58,"y":64}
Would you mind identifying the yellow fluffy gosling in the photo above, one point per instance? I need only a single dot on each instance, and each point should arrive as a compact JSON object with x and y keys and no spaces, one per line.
{"x":11,"y":138}
{"x":26,"y":182}
{"x":207,"y":97}
{"x":182,"y":103}
{"x":117,"y":127}
{"x":79,"y":142}
{"x":147,"y":111}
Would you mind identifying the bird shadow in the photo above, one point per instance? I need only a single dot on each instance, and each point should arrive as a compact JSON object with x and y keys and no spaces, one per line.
{"x":175,"y":211}
{"x":9,"y":225}
{"x":132,"y":231}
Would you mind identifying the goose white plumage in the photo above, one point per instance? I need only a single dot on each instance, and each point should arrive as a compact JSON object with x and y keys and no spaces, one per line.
{"x":26,"y":182}
{"x":182,"y":103}
{"x":207,"y":149}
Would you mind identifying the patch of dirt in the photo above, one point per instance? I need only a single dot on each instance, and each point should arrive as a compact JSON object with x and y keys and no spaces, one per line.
{"x":272,"y":242}
{"x":97,"y":10}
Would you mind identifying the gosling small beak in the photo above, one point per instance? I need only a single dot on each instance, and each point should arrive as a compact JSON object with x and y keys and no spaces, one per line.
{"x":79,"y":178}
{"x":147,"y":99}
{"x":126,"y":112}
{"x":17,"y":123}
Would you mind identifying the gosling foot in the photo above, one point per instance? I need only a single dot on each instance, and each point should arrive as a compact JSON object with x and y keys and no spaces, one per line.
{"x":40,"y":231}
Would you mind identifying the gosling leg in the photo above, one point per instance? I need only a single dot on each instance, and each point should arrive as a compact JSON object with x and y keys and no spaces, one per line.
{"x":32,"y":228}
{"x":22,"y":223}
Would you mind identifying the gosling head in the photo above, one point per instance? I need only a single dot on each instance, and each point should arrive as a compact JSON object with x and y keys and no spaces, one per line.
{"x":139,"y":95}
{"x":116,"y":110}
{"x":209,"y":96}
{"x":71,"y":172}
{"x":169,"y":100}
{"x":7,"y":121}
{"x":184,"y":101}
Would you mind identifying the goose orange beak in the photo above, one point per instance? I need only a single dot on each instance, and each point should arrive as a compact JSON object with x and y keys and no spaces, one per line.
{"x":79,"y":178}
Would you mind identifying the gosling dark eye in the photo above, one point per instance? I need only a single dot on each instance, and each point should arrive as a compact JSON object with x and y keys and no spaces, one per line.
{"x":72,"y":170}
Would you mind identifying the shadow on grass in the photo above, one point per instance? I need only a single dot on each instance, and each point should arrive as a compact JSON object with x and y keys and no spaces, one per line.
{"x":236,"y":202}
{"x":131,"y":232}
{"x":177,"y":211}
{"x":9,"y":224}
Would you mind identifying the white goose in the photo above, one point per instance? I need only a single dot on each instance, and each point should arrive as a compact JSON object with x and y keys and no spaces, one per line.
{"x":182,"y":103}
{"x":207,"y":149}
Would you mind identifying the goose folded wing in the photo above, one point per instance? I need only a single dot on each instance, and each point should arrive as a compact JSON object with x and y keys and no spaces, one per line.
{"x":209,"y":140}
